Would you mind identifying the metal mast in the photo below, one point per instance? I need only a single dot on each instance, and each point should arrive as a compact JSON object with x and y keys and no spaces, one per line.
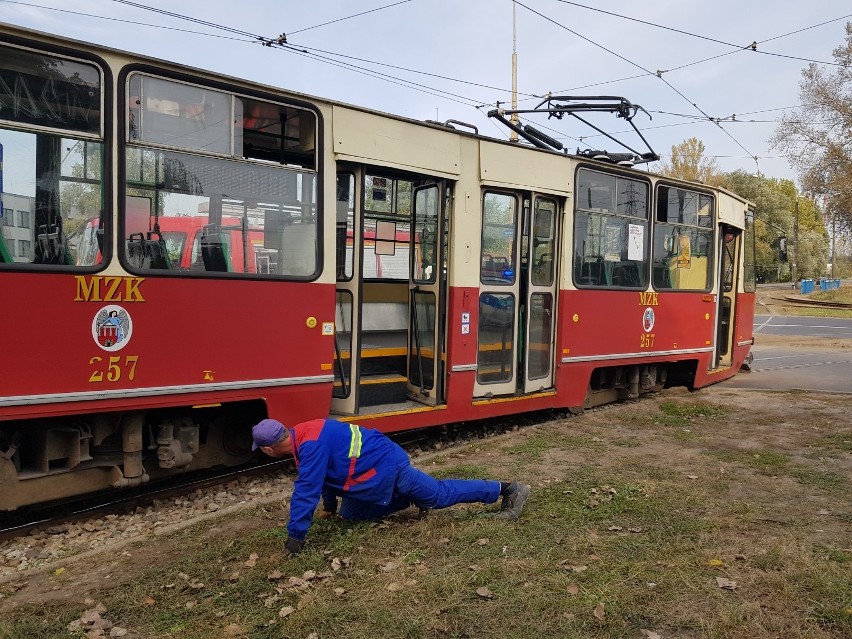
{"x":514,"y":136}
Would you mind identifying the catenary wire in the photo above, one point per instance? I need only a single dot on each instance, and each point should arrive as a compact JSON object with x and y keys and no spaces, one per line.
{"x":639,"y":66}
{"x":400,"y":81}
{"x":736,"y":46}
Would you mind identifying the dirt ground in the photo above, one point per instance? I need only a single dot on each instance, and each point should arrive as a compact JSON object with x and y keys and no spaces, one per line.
{"x":628,"y":435}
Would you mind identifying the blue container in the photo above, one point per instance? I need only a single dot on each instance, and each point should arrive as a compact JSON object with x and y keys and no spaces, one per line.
{"x":807,"y":286}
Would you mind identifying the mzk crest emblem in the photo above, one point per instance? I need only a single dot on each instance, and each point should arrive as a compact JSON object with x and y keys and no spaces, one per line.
{"x":112,"y":328}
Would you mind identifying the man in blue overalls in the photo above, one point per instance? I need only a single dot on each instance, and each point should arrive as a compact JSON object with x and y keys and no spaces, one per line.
{"x":371,"y":473}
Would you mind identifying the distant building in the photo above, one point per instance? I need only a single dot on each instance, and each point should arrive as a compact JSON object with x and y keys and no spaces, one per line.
{"x":18,"y":225}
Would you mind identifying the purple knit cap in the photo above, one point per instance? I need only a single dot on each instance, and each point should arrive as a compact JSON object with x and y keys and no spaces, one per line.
{"x":267,"y":433}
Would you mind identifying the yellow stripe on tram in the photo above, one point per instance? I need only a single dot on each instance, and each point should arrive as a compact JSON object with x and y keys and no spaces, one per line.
{"x":355,"y":443}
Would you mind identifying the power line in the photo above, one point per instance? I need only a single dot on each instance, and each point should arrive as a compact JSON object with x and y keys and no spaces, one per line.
{"x":658,"y":74}
{"x":142,"y":24}
{"x":281,"y":42}
{"x":354,"y":15}
{"x":752,"y":46}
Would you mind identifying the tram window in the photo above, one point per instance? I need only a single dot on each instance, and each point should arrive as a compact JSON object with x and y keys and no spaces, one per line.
{"x":192,"y":117}
{"x":387,"y":229}
{"x":55,"y":193}
{"x":257,"y":217}
{"x":495,"y":350}
{"x":610,"y":231}
{"x":683,"y":240}
{"x":48,"y":91}
{"x":345,"y":227}
{"x":242,"y":218}
{"x":543,"y":243}
{"x":749,"y":275}
{"x":53,"y":175}
{"x":499,"y":225}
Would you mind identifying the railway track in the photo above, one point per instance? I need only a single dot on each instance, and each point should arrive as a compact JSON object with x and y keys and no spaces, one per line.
{"x":36,"y":537}
{"x":807,"y":302}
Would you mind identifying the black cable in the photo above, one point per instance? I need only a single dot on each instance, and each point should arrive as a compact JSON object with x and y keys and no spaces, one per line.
{"x":281,"y":41}
{"x":659,"y":75}
{"x":736,"y":46}
{"x":354,"y":15}
{"x":142,"y":24}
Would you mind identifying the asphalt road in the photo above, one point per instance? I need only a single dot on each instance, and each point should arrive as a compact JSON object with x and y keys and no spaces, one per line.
{"x":783,"y":367}
{"x":802,"y":326}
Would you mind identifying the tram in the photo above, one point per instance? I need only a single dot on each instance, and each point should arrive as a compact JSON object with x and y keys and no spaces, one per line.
{"x":183,"y":254}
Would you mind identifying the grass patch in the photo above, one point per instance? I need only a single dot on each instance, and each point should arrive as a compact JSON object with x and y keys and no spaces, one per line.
{"x":838,"y":441}
{"x":824,"y":480}
{"x":534,"y":447}
{"x":461,"y":471}
{"x":768,"y":462}
{"x":696,"y":411}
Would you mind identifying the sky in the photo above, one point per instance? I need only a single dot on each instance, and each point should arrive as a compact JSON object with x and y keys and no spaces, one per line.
{"x":452,"y":59}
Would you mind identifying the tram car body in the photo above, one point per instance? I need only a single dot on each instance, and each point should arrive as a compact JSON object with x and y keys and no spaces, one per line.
{"x":334,"y":260}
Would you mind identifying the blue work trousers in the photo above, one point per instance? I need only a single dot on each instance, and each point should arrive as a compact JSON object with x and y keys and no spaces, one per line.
{"x":413,"y":486}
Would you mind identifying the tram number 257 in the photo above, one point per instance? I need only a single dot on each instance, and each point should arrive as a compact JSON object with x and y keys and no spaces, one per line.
{"x":112,"y":371}
{"x":646,"y":340}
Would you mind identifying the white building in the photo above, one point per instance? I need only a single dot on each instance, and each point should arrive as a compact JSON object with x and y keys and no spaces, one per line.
{"x":18,"y":225}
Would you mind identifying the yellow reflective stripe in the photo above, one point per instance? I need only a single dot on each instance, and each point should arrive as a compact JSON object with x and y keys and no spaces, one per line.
{"x":355,"y":443}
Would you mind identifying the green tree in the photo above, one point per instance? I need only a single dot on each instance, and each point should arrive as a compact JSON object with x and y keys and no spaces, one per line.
{"x":817,"y":136}
{"x":688,"y":163}
{"x":775,"y":203}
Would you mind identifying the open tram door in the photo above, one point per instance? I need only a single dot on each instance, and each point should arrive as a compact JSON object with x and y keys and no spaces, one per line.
{"x":427,"y":293}
{"x":349,"y":240}
{"x":391,"y":290}
{"x":517,"y":294}
{"x":727,"y":300}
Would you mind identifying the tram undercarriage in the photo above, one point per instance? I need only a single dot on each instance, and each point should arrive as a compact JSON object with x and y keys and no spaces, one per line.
{"x":78,"y":455}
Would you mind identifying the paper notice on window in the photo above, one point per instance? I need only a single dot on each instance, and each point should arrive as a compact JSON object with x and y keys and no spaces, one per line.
{"x":635,"y":242}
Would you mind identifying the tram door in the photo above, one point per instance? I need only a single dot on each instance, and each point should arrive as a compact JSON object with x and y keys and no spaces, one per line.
{"x":539,"y":253}
{"x":349,"y":257}
{"x":517,"y":294}
{"x":728,"y":281}
{"x":427,"y":300}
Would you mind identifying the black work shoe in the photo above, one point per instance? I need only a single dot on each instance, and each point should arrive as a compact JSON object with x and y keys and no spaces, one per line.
{"x":513,"y":501}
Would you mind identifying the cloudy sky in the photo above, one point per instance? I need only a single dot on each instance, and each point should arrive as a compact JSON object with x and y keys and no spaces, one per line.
{"x":451,"y":59}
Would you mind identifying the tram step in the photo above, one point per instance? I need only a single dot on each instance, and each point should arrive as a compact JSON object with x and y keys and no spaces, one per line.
{"x":381,"y":389}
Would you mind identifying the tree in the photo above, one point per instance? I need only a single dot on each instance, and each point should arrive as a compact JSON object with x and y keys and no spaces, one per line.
{"x":776,"y":211}
{"x":817,"y":136}
{"x":688,"y":163}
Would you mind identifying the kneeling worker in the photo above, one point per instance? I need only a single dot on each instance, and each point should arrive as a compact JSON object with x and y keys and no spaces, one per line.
{"x":371,"y":473}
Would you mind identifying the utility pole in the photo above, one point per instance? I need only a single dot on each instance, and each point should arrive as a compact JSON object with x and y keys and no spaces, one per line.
{"x":514,"y":135}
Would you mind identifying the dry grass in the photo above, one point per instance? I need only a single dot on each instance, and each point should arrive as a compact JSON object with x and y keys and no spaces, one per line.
{"x":622,"y":514}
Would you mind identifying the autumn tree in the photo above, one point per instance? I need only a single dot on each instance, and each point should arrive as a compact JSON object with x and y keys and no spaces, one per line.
{"x":816,"y":137}
{"x":689,"y":163}
{"x":779,"y":207}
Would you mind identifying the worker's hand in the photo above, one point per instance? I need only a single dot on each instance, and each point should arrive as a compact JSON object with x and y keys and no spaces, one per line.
{"x":294,"y":546}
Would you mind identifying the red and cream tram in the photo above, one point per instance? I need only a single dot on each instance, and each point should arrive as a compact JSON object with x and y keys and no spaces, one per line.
{"x":333,"y":260}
